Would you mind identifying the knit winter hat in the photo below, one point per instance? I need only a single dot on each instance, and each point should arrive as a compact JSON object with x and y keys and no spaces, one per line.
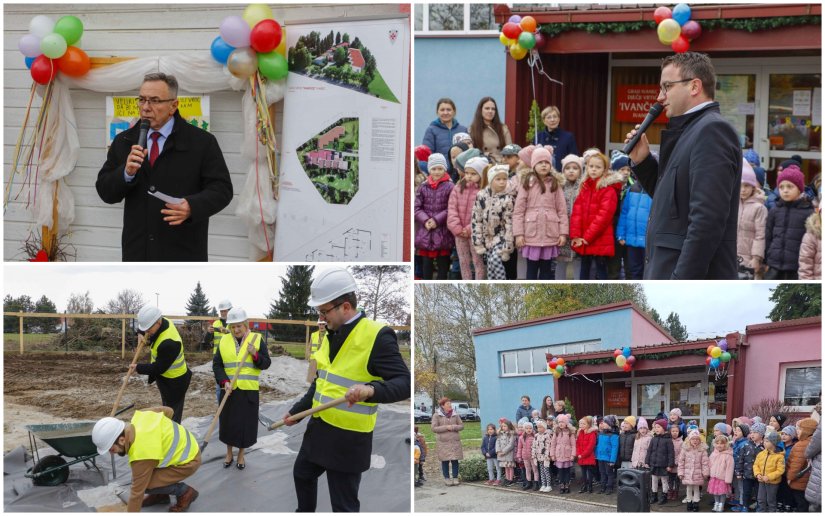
{"x":588,"y":153}
{"x":510,"y":150}
{"x":722,"y":427}
{"x":779,"y":418}
{"x":789,"y":162}
{"x":478,"y":164}
{"x":642,"y":424}
{"x":756,"y":419}
{"x":522,"y":421}
{"x":436,"y":160}
{"x":525,"y":153}
{"x":759,"y":428}
{"x":563,"y":418}
{"x":746,"y":429}
{"x":790,"y":430}
{"x":539,"y":155}
{"x":694,"y":433}
{"x":773,"y":437}
{"x":749,"y":176}
{"x":462,"y":159}
{"x":610,"y":420}
{"x":745,"y":420}
{"x":462,"y":137}
{"x":541,"y":422}
{"x":793,"y":175}
{"x":807,"y":427}
{"x":751,"y":157}
{"x":572,"y":158}
{"x":619,"y":160}
{"x":630,"y":420}
{"x":422,"y":152}
{"x":496,"y":170}
{"x":676,"y":411}
{"x":662,"y":423}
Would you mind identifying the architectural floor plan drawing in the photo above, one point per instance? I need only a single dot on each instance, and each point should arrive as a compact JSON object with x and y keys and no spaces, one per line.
{"x":354,"y":243}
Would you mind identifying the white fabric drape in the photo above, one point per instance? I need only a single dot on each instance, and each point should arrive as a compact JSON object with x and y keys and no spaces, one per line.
{"x":195,"y":73}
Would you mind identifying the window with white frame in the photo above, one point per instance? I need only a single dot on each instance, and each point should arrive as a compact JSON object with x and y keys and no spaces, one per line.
{"x":455,"y":18}
{"x":800,"y":385}
{"x":519,"y":362}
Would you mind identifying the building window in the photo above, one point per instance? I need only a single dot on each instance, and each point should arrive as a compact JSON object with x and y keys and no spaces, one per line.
{"x":801,"y":386}
{"x":534,"y":360}
{"x":455,"y":19}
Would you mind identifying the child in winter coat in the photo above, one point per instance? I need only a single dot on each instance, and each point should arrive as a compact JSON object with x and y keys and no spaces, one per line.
{"x":422,"y":444}
{"x":627,"y":438}
{"x":739,"y":440}
{"x":768,"y":468}
{"x":542,"y":445}
{"x":570,"y":179}
{"x":563,"y":450}
{"x":641,"y":444}
{"x":505,"y":449}
{"x":753,"y":217}
{"x":659,"y":458}
{"x":519,"y":471}
{"x":694,"y":468}
{"x":673,"y":475}
{"x":607,"y":452}
{"x":433,"y":241}
{"x":586,"y":452}
{"x":787,"y":441}
{"x":786,"y":225}
{"x":493,"y":222}
{"x":797,"y":463}
{"x":810,"y":252}
{"x":460,"y":215}
{"x":540,"y":222}
{"x":619,"y":164}
{"x":531,"y":471}
{"x":675,"y":417}
{"x":591,"y":228}
{"x":721,"y":472}
{"x":744,"y":463}
{"x":631,"y":230}
{"x":488,"y":451}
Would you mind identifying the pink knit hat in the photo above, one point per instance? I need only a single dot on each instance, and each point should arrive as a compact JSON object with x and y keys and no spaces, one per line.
{"x":572,"y":158}
{"x":793,"y":175}
{"x":525,"y":153}
{"x":642,"y":423}
{"x":562,"y":418}
{"x":539,"y":155}
{"x":748,"y":175}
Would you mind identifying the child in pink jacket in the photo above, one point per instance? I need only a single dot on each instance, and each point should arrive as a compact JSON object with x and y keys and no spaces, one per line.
{"x":694,"y":468}
{"x":460,"y":215}
{"x":721,"y":472}
{"x":525,"y":450}
{"x":563,"y":450}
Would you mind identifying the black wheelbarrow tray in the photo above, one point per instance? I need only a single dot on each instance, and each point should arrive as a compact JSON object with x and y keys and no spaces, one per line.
{"x":71,"y":440}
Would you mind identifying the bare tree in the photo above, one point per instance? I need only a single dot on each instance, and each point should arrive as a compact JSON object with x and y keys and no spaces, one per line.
{"x":127,"y":301}
{"x":80,"y":304}
{"x":383,"y":291}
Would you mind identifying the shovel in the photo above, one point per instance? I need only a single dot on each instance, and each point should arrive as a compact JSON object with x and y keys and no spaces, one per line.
{"x":226,"y":397}
{"x":272,"y":425}
{"x":141,"y":341}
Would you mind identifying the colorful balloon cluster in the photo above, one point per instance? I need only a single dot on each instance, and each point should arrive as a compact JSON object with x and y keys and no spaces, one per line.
{"x":48,"y":47}
{"x":624,"y":358}
{"x":252,"y":42}
{"x":555,"y":365}
{"x":675,"y":28}
{"x":520,"y":36}
{"x":718,"y":355}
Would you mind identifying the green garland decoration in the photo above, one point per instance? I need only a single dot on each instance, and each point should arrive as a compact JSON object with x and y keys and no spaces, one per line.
{"x":748,"y":24}
{"x":649,"y":356}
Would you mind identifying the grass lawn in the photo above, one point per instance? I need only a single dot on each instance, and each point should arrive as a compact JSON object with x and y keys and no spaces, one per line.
{"x":379,"y":87}
{"x":297,"y":351}
{"x":470,"y":436}
{"x":350,"y":133}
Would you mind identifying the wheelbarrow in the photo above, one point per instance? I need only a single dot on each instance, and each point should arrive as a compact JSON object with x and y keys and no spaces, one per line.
{"x":71,"y":440}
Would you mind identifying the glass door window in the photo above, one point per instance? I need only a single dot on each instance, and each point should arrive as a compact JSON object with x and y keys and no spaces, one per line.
{"x":650,"y":399}
{"x":736,"y":95}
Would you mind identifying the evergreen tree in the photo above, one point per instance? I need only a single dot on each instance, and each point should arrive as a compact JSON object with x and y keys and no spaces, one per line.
{"x":44,"y":305}
{"x":675,"y":327}
{"x":198,"y":304}
{"x":795,"y":301}
{"x":11,"y":324}
{"x":656,"y":317}
{"x":534,"y":123}
{"x":294,"y":295}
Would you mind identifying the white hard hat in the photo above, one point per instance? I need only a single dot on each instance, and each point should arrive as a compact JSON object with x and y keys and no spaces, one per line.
{"x":331,"y":284}
{"x":225,"y":305}
{"x":147,"y":316}
{"x":106,"y":432}
{"x":236,"y":315}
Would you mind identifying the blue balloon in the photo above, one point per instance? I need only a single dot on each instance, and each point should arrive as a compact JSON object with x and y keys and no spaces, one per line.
{"x":681,"y":13}
{"x":221,"y":50}
{"x":714,"y":363}
{"x":29,"y":61}
{"x":626,"y":351}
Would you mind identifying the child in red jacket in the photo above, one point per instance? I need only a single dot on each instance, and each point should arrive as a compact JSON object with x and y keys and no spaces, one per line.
{"x":586,"y":452}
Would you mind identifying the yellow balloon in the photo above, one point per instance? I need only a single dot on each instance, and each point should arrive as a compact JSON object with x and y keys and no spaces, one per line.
{"x":281,"y":48}
{"x":517,"y":51}
{"x":255,"y":13}
{"x":716,"y":352}
{"x":621,"y":360}
{"x":668,"y":31}
{"x":505,"y":40}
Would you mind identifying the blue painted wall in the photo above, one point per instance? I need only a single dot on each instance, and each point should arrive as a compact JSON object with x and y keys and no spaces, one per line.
{"x":500,"y":396}
{"x":463,"y":69}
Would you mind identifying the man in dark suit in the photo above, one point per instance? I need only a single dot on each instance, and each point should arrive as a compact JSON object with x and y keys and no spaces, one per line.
{"x":181,"y":161}
{"x":695,"y":181}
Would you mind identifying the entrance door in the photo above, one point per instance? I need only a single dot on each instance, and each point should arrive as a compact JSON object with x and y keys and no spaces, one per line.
{"x":688,"y":392}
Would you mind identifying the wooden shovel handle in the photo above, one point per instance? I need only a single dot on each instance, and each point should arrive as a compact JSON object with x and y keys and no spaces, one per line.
{"x":141,"y":341}
{"x":223,"y":401}
{"x":308,"y":412}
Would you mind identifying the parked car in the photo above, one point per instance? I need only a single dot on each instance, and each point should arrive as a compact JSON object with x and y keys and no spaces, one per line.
{"x":421,"y":416}
{"x":465,"y":412}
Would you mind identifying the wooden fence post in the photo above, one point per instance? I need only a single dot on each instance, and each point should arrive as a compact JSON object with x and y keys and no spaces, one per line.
{"x":21,"y":333}
{"x":123,"y":339}
{"x":307,"y":344}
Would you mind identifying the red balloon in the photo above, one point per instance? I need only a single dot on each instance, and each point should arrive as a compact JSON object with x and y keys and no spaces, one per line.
{"x":616,"y":352}
{"x":265,"y":36}
{"x":74,"y":62}
{"x":662,"y":13}
{"x":43,"y":69}
{"x":511,"y":30}
{"x":553,"y":364}
{"x":631,"y":360}
{"x":681,"y":44}
{"x":627,"y":367}
{"x":707,"y":360}
{"x":540,"y":40}
{"x":691,"y":30}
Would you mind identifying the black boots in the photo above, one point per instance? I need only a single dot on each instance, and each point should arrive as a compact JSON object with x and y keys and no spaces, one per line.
{"x":527,"y":485}
{"x":662,"y":498}
{"x":536,"y":486}
{"x":584,"y":488}
{"x":652,"y":498}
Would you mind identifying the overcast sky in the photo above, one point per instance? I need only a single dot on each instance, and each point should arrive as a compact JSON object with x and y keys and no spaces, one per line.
{"x":711,"y":308}
{"x":252,"y":286}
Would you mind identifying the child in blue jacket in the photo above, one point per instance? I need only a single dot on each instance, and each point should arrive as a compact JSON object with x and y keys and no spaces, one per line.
{"x":632,"y":227}
{"x":488,"y":450}
{"x":607,"y":452}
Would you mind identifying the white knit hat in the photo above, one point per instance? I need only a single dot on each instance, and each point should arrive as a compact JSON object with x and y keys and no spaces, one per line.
{"x":496,"y":170}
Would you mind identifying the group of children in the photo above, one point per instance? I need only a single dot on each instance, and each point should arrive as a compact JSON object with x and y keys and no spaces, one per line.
{"x":593,"y":214}
{"x":749,"y":459}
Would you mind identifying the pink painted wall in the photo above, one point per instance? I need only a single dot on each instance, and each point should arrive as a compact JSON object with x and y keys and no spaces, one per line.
{"x":768,"y":351}
{"x":643,"y":332}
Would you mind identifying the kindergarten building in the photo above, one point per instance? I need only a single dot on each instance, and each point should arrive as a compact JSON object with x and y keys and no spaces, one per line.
{"x":511,"y":362}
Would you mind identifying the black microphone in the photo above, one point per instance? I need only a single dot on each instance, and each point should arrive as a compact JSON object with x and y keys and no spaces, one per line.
{"x":653,"y":114}
{"x":144,"y":132}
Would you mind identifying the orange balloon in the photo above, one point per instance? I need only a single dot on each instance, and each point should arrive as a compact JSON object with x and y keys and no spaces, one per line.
{"x":528,"y":24}
{"x":74,"y":62}
{"x":560,"y":361}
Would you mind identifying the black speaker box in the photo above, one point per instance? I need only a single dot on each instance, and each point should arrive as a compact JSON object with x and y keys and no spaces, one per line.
{"x":634,"y":490}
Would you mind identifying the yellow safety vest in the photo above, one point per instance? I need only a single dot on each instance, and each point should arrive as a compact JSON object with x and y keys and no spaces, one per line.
{"x":159,"y":438}
{"x":248,"y":377}
{"x":217,"y":336}
{"x":314,"y":344}
{"x":178,"y":367}
{"x":349,"y":368}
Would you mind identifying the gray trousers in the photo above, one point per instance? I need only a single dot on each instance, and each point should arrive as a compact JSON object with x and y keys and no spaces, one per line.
{"x":766,"y":497}
{"x":493,"y":469}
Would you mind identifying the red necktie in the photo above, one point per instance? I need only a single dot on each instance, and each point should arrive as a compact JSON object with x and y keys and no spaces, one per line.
{"x":154,"y":151}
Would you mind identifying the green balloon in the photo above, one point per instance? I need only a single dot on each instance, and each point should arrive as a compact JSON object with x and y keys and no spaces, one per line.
{"x":725,"y":357}
{"x":560,"y":369}
{"x":273,"y":65}
{"x":53,"y":46}
{"x":70,"y":27}
{"x":527,"y":40}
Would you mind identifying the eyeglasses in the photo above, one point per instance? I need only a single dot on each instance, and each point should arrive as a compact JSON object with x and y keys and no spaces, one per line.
{"x":323,"y":313}
{"x":154,"y":101}
{"x":665,"y":86}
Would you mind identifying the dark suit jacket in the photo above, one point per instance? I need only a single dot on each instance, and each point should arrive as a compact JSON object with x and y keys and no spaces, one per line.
{"x":695,"y":185}
{"x":190,"y":166}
